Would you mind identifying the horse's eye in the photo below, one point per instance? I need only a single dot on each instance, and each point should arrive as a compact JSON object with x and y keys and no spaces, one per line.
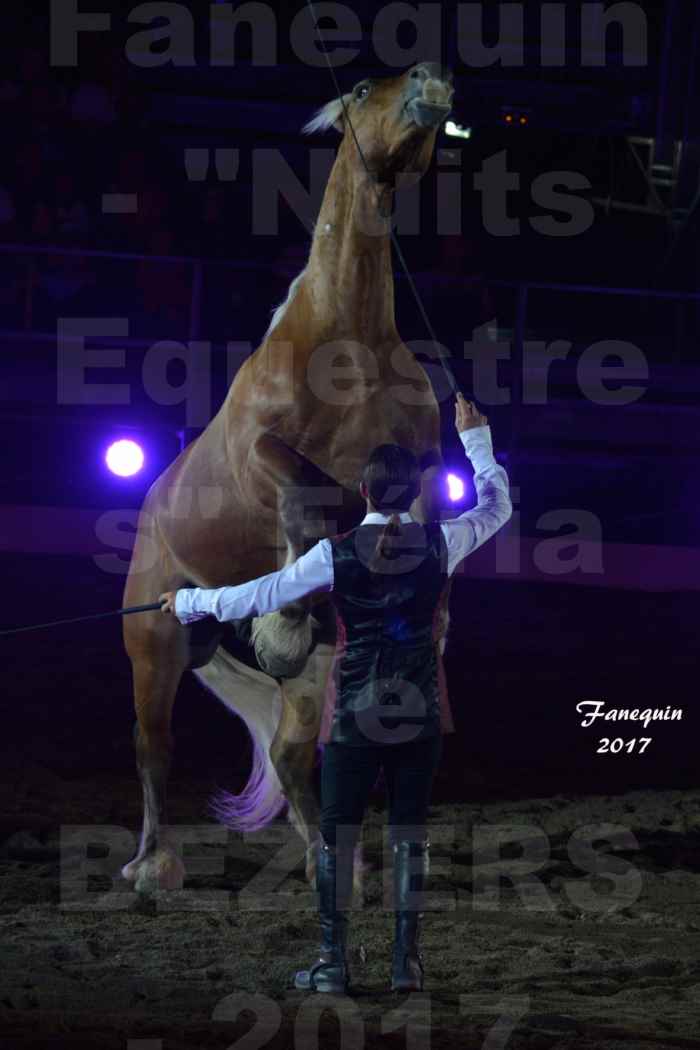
{"x":362,"y":92}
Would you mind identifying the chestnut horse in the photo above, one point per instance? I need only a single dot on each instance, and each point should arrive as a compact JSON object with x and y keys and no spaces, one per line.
{"x":330,"y":381}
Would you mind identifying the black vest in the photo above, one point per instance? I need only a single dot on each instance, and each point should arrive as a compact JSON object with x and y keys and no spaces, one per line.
{"x":386,"y":674}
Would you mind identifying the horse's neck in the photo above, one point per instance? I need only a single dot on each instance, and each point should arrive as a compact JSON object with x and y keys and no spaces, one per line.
{"x":349,"y":274}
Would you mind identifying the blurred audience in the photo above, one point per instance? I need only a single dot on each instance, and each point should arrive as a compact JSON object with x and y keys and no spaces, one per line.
{"x":61,"y":216}
{"x":85,"y":170}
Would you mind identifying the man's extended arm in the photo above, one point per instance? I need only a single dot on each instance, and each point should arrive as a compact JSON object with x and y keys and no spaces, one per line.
{"x":311,"y":572}
{"x":467,"y":532}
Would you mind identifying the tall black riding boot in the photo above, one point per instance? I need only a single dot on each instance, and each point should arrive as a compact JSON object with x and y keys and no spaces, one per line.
{"x":330,"y":972}
{"x":411,"y":865}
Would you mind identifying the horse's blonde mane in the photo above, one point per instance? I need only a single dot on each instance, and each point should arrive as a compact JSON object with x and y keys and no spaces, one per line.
{"x":326,"y":116}
{"x":323,"y":119}
{"x":279,"y":311}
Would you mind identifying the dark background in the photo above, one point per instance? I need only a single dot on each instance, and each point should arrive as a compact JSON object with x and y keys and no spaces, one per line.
{"x":522,"y":652}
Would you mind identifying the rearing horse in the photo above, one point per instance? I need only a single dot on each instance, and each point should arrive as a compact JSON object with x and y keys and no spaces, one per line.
{"x":231,"y":506}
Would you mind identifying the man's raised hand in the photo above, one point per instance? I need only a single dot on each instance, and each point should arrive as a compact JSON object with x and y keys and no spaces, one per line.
{"x":467,"y":415}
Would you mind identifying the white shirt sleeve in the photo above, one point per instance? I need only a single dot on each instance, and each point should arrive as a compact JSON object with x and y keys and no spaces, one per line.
{"x":466,"y":533}
{"x":311,"y":572}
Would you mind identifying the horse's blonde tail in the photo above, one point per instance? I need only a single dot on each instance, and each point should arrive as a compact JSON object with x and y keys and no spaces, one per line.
{"x":257,"y":699}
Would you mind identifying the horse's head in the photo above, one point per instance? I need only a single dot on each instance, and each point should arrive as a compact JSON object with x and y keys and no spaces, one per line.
{"x":395,"y":119}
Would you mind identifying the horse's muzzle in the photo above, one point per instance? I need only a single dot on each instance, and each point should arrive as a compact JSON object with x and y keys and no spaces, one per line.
{"x":427,"y":114}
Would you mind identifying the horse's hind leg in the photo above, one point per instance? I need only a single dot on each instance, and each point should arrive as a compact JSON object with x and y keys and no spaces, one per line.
{"x":156,"y":864}
{"x":293,"y":748}
{"x":293,"y":751}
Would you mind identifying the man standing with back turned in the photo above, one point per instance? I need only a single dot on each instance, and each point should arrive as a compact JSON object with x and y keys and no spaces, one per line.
{"x":386,"y":579}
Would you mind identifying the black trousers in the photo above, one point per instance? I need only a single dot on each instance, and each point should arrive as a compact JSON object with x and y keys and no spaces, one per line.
{"x":349,"y":772}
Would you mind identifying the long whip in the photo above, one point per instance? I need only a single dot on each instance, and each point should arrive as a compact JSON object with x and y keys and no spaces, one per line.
{"x":82,"y":619}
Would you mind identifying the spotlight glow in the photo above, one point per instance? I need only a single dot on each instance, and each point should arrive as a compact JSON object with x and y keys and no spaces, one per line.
{"x":124,"y":458}
{"x":455,"y":487}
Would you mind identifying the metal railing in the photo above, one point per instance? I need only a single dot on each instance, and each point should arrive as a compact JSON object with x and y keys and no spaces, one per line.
{"x":30,"y":270}
{"x":30,"y":275}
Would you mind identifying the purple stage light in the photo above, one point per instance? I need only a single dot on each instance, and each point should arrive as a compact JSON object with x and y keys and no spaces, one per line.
{"x":455,"y":487}
{"x":124,"y":458}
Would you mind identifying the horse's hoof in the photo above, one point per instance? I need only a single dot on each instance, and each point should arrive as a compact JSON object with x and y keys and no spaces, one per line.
{"x":160,"y":870}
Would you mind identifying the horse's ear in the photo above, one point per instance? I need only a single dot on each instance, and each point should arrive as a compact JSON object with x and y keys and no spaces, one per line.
{"x":329,"y":116}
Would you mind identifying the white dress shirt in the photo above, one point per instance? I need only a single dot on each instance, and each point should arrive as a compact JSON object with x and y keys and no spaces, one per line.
{"x":313,"y":571}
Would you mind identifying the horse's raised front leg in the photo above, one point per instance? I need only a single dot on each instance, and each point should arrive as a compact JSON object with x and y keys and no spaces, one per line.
{"x":305,"y":502}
